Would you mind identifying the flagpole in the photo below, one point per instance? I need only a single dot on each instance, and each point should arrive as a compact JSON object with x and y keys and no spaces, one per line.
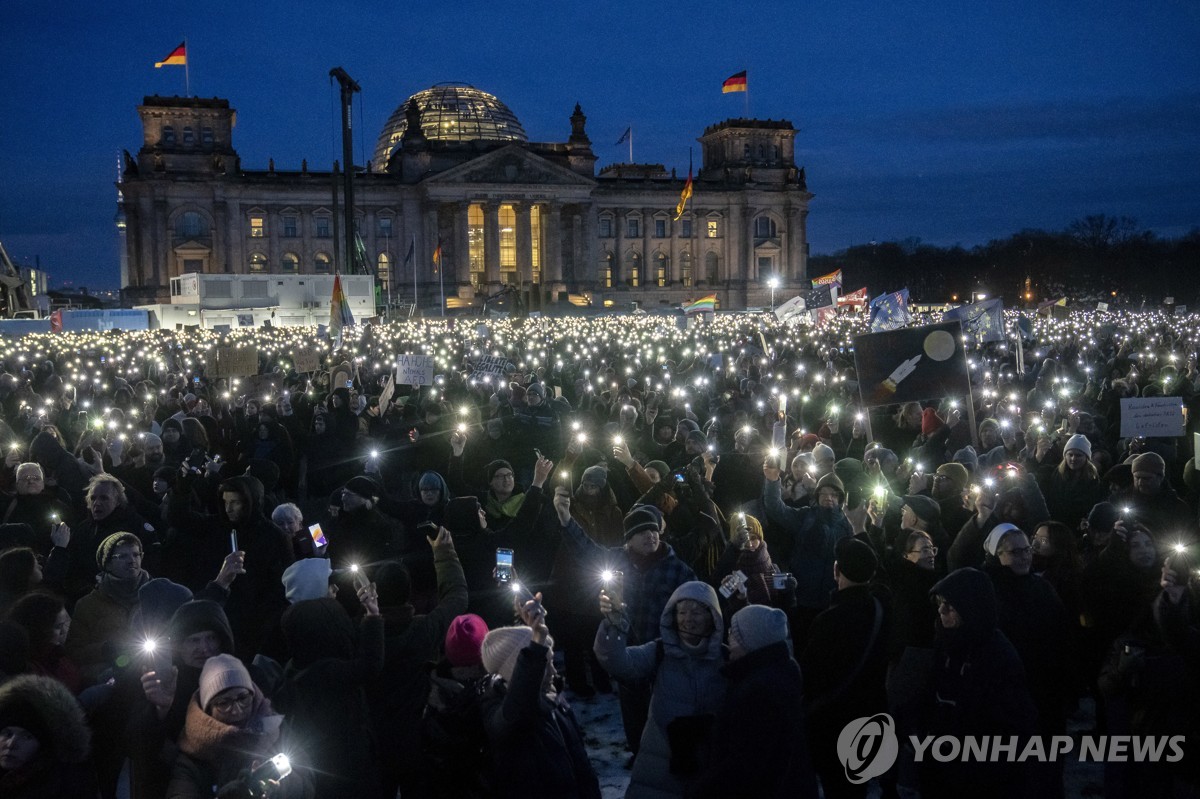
{"x":187,"y":76}
{"x":747,"y":93}
{"x":412,"y":247}
{"x":442,"y":281}
{"x":631,"y":143}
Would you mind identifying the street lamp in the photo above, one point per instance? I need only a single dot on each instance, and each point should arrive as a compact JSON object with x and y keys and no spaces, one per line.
{"x":774,"y":284}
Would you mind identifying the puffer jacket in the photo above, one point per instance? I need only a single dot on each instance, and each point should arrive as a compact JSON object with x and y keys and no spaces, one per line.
{"x":61,"y":767}
{"x":688,"y":682}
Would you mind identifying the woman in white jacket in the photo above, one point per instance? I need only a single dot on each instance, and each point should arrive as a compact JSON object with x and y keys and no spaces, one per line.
{"x":684,"y":665}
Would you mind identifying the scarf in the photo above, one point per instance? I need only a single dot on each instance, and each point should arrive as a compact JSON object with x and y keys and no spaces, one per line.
{"x":205,"y":738}
{"x":123,"y":591}
{"x":504,"y":510}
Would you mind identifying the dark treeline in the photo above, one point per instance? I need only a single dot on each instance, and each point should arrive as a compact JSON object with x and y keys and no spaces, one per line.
{"x":1092,"y":257}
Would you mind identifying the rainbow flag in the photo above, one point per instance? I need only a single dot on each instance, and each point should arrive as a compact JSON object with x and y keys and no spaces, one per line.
{"x":176,"y":58}
{"x":832,"y":277}
{"x":703,"y":305}
{"x":339,"y":310}
{"x":734,"y":83}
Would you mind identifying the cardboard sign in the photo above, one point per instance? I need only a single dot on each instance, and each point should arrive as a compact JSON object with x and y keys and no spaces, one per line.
{"x":911,"y":364}
{"x":1102,"y":306}
{"x":414,"y":370}
{"x":306,"y":360}
{"x":1152,"y":417}
{"x":491,"y":365}
{"x":262,"y":386}
{"x":232,"y":362}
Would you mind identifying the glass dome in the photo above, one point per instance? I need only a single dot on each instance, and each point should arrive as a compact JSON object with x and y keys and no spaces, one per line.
{"x":451,"y":112}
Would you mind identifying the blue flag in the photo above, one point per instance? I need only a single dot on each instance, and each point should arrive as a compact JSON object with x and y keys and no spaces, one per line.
{"x":819,"y":297}
{"x":890,"y":311}
{"x":624,"y":136}
{"x":982,"y":321}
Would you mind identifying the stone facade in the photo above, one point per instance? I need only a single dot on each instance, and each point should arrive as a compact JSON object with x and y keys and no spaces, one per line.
{"x":536,"y":216}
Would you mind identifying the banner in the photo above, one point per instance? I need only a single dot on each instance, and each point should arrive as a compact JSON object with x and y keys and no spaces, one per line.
{"x":911,"y":364}
{"x":232,"y":362}
{"x":307,"y":360}
{"x":890,"y":311}
{"x":982,"y":321}
{"x":789,"y":309}
{"x":832,"y":278}
{"x":823,"y":296}
{"x":1152,"y":417}
{"x":491,"y":365}
{"x":415,"y":370}
{"x":854,"y":298}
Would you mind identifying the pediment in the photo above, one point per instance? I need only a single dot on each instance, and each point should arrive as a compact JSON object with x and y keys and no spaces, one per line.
{"x":511,"y":165}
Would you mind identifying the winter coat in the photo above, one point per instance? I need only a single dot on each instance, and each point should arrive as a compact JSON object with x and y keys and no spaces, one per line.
{"x":687,"y":683}
{"x":101,"y":620}
{"x":816,"y":532}
{"x":324,"y":699}
{"x":1164,"y":514}
{"x":1070,"y":501}
{"x":60,"y":768}
{"x":535,"y":744}
{"x":913,"y":616}
{"x":648,"y":583}
{"x":213,"y":754}
{"x":60,"y":465}
{"x":87,"y":536}
{"x":759,"y":723}
{"x":363,"y":536}
{"x":602,"y":521}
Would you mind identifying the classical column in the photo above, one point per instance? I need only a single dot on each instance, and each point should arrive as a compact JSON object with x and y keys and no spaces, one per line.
{"x":552,"y":264}
{"x":462,"y":247}
{"x":585,"y":272}
{"x":620,"y":273}
{"x":425,"y":259}
{"x":802,"y":269}
{"x":235,"y":249}
{"x":491,"y":245}
{"x":274,"y":249}
{"x":524,"y":242}
{"x":795,"y":245}
{"x":162,"y":244}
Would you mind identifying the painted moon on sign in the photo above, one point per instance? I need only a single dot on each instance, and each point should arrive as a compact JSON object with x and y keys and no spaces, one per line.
{"x":939,"y":345}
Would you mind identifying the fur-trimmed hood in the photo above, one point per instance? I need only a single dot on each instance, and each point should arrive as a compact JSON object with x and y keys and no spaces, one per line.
{"x":69,"y":738}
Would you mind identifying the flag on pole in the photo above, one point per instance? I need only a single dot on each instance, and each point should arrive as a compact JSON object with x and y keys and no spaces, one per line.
{"x":686,"y":194}
{"x":624,"y":136}
{"x":412,"y":250}
{"x":734,"y":83}
{"x":983,"y":321}
{"x":340,"y":315}
{"x":834,"y":277}
{"x":437,"y":254}
{"x":176,"y":58}
{"x":820,"y":297}
{"x":890,"y":311}
{"x":854,"y":298}
{"x":703,"y":305}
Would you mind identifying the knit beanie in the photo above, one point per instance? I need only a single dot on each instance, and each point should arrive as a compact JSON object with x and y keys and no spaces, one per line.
{"x":831,"y":480}
{"x":105,"y":550}
{"x":220,"y":673}
{"x":464,"y":640}
{"x":809,"y":441}
{"x":698,"y":438}
{"x":757,"y":626}
{"x":490,"y":470}
{"x":364,"y":487}
{"x":856,"y":560}
{"x":307,"y":578}
{"x":430,"y":481}
{"x":822,"y":452}
{"x":1103,"y":516}
{"x":752,"y":524}
{"x":501,"y":647}
{"x":956,"y":473}
{"x":158,"y":600}
{"x":641,"y":519}
{"x":1149,"y":462}
{"x":689,"y":425}
{"x":968,"y":458}
{"x":596,"y":475}
{"x":659,"y":466}
{"x":925,"y":508}
{"x":393,"y":584}
{"x":1079,"y":442}
{"x":536,"y":388}
{"x":992,"y":542}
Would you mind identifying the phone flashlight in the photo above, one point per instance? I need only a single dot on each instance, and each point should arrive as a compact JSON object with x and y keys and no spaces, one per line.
{"x":276,"y":768}
{"x":374,"y":454}
{"x":617,"y":440}
{"x":149,"y":646}
{"x":462,"y":428}
{"x":581,"y":438}
{"x":233,"y":544}
{"x":880,"y":492}
{"x":360,"y":579}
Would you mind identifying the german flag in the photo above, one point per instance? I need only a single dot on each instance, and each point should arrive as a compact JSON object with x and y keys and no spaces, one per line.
{"x":177,"y":57}
{"x":437,"y":254}
{"x":684,"y":195}
{"x":734,"y":83}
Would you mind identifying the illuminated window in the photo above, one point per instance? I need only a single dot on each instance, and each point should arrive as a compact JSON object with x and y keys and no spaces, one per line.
{"x":508,"y":245}
{"x":635,"y":270}
{"x":321,"y":227}
{"x":291,"y":227}
{"x":685,"y":268}
{"x":290,"y":264}
{"x":535,"y":250}
{"x":322,"y":264}
{"x":258,"y":262}
{"x":606,"y":269}
{"x":714,"y":228}
{"x":383,"y":268}
{"x":661,"y":277}
{"x":258,"y":227}
{"x":475,"y":244}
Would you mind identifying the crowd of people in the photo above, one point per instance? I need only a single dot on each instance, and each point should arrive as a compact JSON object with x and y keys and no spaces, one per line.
{"x":328,"y":584}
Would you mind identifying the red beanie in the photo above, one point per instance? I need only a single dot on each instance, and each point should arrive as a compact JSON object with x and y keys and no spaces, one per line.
{"x":930,"y":423}
{"x":464,"y":639}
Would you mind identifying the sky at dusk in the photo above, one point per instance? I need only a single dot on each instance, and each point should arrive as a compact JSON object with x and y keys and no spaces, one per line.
{"x":951,"y":122}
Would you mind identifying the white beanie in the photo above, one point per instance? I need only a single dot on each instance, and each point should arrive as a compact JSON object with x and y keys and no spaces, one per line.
{"x":822,"y":452}
{"x":307,"y":578}
{"x":756,"y":626}
{"x":501,"y":647}
{"x":1080,"y":443}
{"x":992,"y":542}
{"x":220,"y":673}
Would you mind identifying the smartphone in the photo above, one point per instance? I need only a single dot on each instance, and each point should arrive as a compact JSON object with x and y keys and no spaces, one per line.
{"x":196,"y":380}
{"x":349,"y":384}
{"x":233,"y":541}
{"x":318,"y":537}
{"x":504,"y":565}
{"x":680,"y":479}
{"x":614,"y":586}
{"x":733,"y":583}
{"x":779,"y":581}
{"x":428,"y":529}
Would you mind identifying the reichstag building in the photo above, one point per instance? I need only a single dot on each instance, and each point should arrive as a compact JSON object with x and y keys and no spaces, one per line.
{"x":453,"y":168}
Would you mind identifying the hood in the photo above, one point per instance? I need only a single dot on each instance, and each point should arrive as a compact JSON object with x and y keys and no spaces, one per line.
{"x":265,"y":471}
{"x":707,"y":596}
{"x":46,"y":450}
{"x":158,"y":600}
{"x":433,"y":477}
{"x":251,"y":489}
{"x":461,"y":516}
{"x":971,"y":593}
{"x":46,"y":702}
{"x":201,"y":615}
{"x":316,"y":629}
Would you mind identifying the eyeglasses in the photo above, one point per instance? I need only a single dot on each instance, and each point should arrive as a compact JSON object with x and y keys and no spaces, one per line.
{"x":241,"y":700}
{"x":1016,"y":551}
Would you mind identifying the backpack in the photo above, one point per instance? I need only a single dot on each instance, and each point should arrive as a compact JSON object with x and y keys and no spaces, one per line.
{"x":453,"y":738}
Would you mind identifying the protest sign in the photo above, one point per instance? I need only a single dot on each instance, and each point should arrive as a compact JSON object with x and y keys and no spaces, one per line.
{"x":245,"y":320}
{"x":307,"y":360}
{"x":232,"y":362}
{"x":1152,"y":417}
{"x":911,"y":364}
{"x":492,"y":365}
{"x":790,"y":308}
{"x":263,"y":386}
{"x":1102,"y":306}
{"x":415,"y":370}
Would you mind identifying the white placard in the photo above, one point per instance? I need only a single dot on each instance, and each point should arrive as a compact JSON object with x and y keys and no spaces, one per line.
{"x":1102,"y":306}
{"x":1196,"y":449}
{"x":1153,"y":417}
{"x":414,"y":370}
